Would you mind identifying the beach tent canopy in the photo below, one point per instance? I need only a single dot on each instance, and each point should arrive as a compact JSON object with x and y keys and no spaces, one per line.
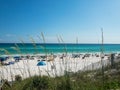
{"x":41,"y":63}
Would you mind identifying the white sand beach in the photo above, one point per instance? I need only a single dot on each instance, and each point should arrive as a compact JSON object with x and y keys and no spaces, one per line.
{"x":55,"y":67}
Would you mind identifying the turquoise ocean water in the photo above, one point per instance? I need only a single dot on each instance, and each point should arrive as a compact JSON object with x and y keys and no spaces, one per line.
{"x":56,"y":48}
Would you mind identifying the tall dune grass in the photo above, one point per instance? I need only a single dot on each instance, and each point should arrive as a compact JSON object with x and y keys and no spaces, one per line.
{"x":102,"y":54}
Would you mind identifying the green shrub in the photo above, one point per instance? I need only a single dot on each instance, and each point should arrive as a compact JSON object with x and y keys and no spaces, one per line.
{"x":37,"y":83}
{"x":18,"y":78}
{"x":40,"y":83}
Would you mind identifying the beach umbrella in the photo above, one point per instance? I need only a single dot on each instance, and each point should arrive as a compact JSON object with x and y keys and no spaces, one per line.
{"x":11,"y":63}
{"x":17,"y":57}
{"x":41,"y":63}
{"x":3,"y":58}
{"x":43,"y":57}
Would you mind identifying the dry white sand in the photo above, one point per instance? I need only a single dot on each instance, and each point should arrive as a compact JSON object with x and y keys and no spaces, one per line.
{"x":27,"y":68}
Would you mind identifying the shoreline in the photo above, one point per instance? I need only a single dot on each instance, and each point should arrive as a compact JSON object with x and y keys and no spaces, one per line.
{"x":59,"y":53}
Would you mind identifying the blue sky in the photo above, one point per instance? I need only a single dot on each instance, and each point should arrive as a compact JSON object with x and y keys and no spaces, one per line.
{"x":68,"y":18}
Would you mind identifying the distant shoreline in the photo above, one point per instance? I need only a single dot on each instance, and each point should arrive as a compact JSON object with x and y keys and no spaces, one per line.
{"x":67,"y":43}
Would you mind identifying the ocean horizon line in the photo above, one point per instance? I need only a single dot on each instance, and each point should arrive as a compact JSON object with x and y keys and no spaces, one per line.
{"x":64,"y":43}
